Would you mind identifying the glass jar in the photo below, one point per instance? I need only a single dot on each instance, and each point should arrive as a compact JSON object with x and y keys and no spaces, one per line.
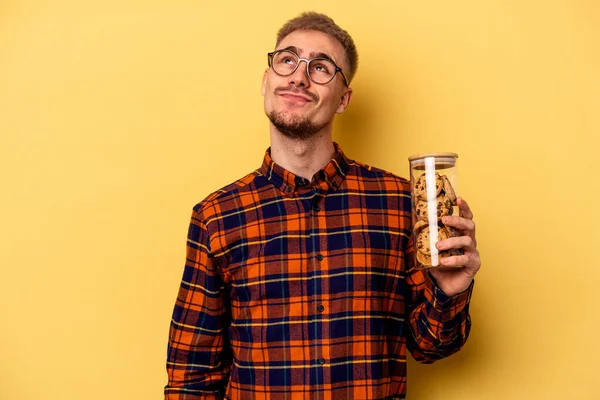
{"x":433,"y":192}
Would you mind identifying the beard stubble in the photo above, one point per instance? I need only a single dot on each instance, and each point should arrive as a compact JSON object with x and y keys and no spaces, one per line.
{"x":293,"y":126}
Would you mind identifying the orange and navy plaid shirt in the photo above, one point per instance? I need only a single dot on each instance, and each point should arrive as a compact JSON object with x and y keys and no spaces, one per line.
{"x":298,"y":289}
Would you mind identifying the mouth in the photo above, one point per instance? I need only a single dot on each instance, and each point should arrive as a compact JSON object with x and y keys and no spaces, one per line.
{"x":296,"y":97}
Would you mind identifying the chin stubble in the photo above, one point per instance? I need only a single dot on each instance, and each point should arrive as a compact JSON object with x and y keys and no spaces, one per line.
{"x":294,"y":127}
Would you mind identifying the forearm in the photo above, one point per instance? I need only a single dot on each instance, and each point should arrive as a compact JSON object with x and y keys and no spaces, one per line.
{"x":440,"y":324}
{"x":198,"y":364}
{"x":199,"y":356}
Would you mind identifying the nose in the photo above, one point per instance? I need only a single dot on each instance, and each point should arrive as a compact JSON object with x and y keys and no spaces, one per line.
{"x":300,"y":75}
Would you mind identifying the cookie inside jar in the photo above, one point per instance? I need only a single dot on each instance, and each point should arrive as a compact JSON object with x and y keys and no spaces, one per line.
{"x":434,"y":195}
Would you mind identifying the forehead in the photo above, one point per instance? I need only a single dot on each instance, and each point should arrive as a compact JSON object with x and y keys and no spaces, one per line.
{"x":309,"y":43}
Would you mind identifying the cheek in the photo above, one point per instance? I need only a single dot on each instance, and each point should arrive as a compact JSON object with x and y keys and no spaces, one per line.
{"x":329,"y":104}
{"x":267,"y":92}
{"x":268,"y":86}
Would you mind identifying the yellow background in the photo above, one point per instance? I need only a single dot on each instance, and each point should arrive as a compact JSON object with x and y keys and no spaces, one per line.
{"x":117,"y":117}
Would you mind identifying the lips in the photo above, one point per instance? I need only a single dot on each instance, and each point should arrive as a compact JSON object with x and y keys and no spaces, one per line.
{"x":296,"y":97}
{"x":296,"y":94}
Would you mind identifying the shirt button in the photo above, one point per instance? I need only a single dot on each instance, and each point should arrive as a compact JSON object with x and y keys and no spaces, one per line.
{"x":320,"y":257}
{"x":321,"y":308}
{"x":321,"y":361}
{"x":316,"y":208}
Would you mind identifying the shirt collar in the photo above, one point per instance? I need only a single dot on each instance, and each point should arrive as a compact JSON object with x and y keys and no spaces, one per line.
{"x":328,"y":178}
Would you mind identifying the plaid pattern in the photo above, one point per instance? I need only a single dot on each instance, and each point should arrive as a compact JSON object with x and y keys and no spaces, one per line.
{"x":305,"y":290}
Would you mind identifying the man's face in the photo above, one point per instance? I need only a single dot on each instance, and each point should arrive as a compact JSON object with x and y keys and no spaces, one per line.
{"x":298,"y":107}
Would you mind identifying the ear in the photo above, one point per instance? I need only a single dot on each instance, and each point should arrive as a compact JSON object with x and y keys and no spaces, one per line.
{"x":263,"y":90}
{"x":344,"y":101}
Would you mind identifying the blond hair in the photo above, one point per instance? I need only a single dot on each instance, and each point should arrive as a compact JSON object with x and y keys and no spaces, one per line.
{"x":322,"y":23}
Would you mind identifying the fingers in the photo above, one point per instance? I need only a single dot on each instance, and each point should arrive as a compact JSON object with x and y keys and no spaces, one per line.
{"x":469,"y":260}
{"x":462,"y":223}
{"x":460,"y":242}
{"x":465,"y":210}
{"x":455,"y":261}
{"x":459,"y":223}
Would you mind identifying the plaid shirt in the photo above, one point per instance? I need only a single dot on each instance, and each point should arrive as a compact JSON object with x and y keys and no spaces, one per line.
{"x":297,"y":289}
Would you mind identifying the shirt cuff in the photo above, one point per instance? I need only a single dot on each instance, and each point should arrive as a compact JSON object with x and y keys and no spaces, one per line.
{"x":441,"y":301}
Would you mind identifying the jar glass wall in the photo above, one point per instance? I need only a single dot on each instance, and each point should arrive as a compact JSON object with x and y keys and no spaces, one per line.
{"x":433,"y":190}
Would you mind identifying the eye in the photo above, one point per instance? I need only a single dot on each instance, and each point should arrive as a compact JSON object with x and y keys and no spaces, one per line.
{"x":287,"y":60}
{"x":321,"y":68}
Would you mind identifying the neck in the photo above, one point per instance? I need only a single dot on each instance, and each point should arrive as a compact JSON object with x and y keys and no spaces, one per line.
{"x":302,"y":157}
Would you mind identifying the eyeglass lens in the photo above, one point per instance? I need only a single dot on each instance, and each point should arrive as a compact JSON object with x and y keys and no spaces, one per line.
{"x":319,"y":70}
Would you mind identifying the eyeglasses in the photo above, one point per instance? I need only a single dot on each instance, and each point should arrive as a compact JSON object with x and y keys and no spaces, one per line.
{"x":319,"y":70}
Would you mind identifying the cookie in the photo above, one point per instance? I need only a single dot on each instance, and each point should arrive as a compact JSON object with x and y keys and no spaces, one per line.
{"x":424,"y":240}
{"x":420,"y":187}
{"x":443,"y":205}
{"x":448,"y":189}
{"x":419,"y":226}
{"x":452,"y":232}
{"x":423,"y":259}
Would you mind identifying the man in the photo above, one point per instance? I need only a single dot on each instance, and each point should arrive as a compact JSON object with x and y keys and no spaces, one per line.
{"x":299,"y":281}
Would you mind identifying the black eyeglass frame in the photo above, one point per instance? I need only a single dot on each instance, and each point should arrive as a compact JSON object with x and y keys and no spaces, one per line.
{"x":307,"y":61}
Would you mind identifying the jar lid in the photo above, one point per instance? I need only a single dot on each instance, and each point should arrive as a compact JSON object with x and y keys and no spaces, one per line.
{"x":436,"y":155}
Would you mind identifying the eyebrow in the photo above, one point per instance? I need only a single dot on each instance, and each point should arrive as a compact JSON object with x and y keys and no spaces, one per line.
{"x":312,"y":54}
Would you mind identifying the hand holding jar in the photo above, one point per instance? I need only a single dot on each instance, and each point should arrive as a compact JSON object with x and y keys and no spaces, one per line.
{"x":443,"y":227}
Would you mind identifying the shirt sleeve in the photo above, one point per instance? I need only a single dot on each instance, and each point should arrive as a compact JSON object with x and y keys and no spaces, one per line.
{"x":198,"y":353}
{"x":439,"y":324}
